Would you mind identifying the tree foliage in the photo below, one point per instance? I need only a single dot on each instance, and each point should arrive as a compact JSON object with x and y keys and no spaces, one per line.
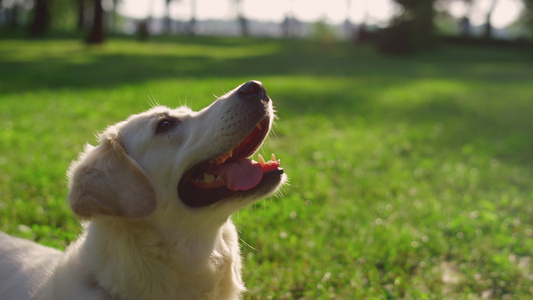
{"x":97,"y":33}
{"x":527,"y":15}
{"x":412,"y":31}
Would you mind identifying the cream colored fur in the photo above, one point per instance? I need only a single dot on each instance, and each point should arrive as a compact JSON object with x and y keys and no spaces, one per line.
{"x":139,"y":241}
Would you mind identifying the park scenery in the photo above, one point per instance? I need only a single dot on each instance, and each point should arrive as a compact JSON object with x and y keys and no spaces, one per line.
{"x":407,"y":137}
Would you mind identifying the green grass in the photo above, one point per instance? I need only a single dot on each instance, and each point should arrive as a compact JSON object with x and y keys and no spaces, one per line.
{"x":410,"y":177}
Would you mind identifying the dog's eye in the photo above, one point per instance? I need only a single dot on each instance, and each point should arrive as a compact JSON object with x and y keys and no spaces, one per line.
{"x":165,"y":124}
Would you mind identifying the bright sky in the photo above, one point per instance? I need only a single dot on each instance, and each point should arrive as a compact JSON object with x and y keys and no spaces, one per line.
{"x":505,"y":12}
{"x":334,"y":11}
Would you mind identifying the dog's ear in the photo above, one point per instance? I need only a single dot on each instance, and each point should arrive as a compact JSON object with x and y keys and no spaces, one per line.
{"x":107,"y":181}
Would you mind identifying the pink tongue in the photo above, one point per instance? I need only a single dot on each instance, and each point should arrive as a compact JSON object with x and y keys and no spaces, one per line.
{"x":241,"y":175}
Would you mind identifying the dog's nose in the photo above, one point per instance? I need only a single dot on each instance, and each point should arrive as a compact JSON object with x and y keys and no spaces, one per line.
{"x":253,"y":88}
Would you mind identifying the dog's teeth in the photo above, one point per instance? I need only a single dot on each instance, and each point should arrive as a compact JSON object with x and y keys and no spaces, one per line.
{"x":208,"y":177}
{"x":230,"y":153}
{"x":261,"y":160}
{"x":259,"y":126}
{"x":273,"y":157}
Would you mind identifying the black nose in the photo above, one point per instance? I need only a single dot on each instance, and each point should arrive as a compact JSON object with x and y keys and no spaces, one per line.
{"x":252,"y":88}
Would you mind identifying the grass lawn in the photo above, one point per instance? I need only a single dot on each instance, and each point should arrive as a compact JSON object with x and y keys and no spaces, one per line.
{"x":410,"y":177}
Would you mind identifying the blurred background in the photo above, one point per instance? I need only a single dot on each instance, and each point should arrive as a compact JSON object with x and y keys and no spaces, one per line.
{"x":405,"y":128}
{"x":358,"y":20}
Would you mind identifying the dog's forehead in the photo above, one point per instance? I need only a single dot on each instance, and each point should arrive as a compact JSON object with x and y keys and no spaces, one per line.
{"x":162,"y":111}
{"x":142,"y":124}
{"x":145,"y":119}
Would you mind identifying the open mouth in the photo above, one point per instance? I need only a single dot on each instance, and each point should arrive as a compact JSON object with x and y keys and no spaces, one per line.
{"x":232,"y":172}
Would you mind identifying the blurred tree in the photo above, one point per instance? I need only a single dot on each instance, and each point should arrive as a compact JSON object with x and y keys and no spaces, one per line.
{"x":2,"y":13}
{"x":112,"y":15}
{"x":10,"y":13}
{"x":81,"y":24}
{"x":487,"y":30}
{"x":465,"y":20}
{"x":348,"y":26}
{"x":363,"y":34}
{"x":41,"y":18}
{"x":97,"y":33}
{"x":168,"y":19}
{"x":322,"y":32}
{"x":192,"y":21}
{"x":527,"y":15}
{"x":143,"y":28}
{"x":243,"y":23}
{"x":412,"y":31}
{"x":63,"y":14}
{"x":289,"y":25}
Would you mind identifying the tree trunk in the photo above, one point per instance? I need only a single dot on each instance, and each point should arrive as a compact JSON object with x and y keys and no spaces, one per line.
{"x":487,"y":31}
{"x":11,"y":16}
{"x":168,"y":20}
{"x":81,"y":15}
{"x":243,"y":23}
{"x":412,"y":31}
{"x":97,"y":35}
{"x":464,"y":23}
{"x":244,"y":26}
{"x":528,"y":14}
{"x":192,"y":22}
{"x":41,"y":18}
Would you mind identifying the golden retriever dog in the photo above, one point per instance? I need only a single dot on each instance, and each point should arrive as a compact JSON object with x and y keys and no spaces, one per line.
{"x":156,"y":197}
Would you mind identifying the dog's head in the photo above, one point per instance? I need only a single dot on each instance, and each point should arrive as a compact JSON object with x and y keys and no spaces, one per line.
{"x":168,"y":159}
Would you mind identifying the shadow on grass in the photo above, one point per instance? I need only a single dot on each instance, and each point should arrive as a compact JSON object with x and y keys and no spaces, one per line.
{"x":76,"y":66}
{"x":338,"y":81}
{"x":495,"y":126}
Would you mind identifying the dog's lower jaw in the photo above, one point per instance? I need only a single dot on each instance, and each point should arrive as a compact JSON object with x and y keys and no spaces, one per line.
{"x":143,"y":265}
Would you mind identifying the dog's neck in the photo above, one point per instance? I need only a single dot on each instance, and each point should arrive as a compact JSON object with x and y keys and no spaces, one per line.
{"x":143,"y":264}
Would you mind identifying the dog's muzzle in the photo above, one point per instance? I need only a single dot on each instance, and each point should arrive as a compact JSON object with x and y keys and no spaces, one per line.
{"x":230,"y":173}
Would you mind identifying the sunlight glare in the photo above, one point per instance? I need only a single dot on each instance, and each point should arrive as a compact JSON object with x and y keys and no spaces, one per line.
{"x":504,"y":14}
{"x":332,"y":11}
